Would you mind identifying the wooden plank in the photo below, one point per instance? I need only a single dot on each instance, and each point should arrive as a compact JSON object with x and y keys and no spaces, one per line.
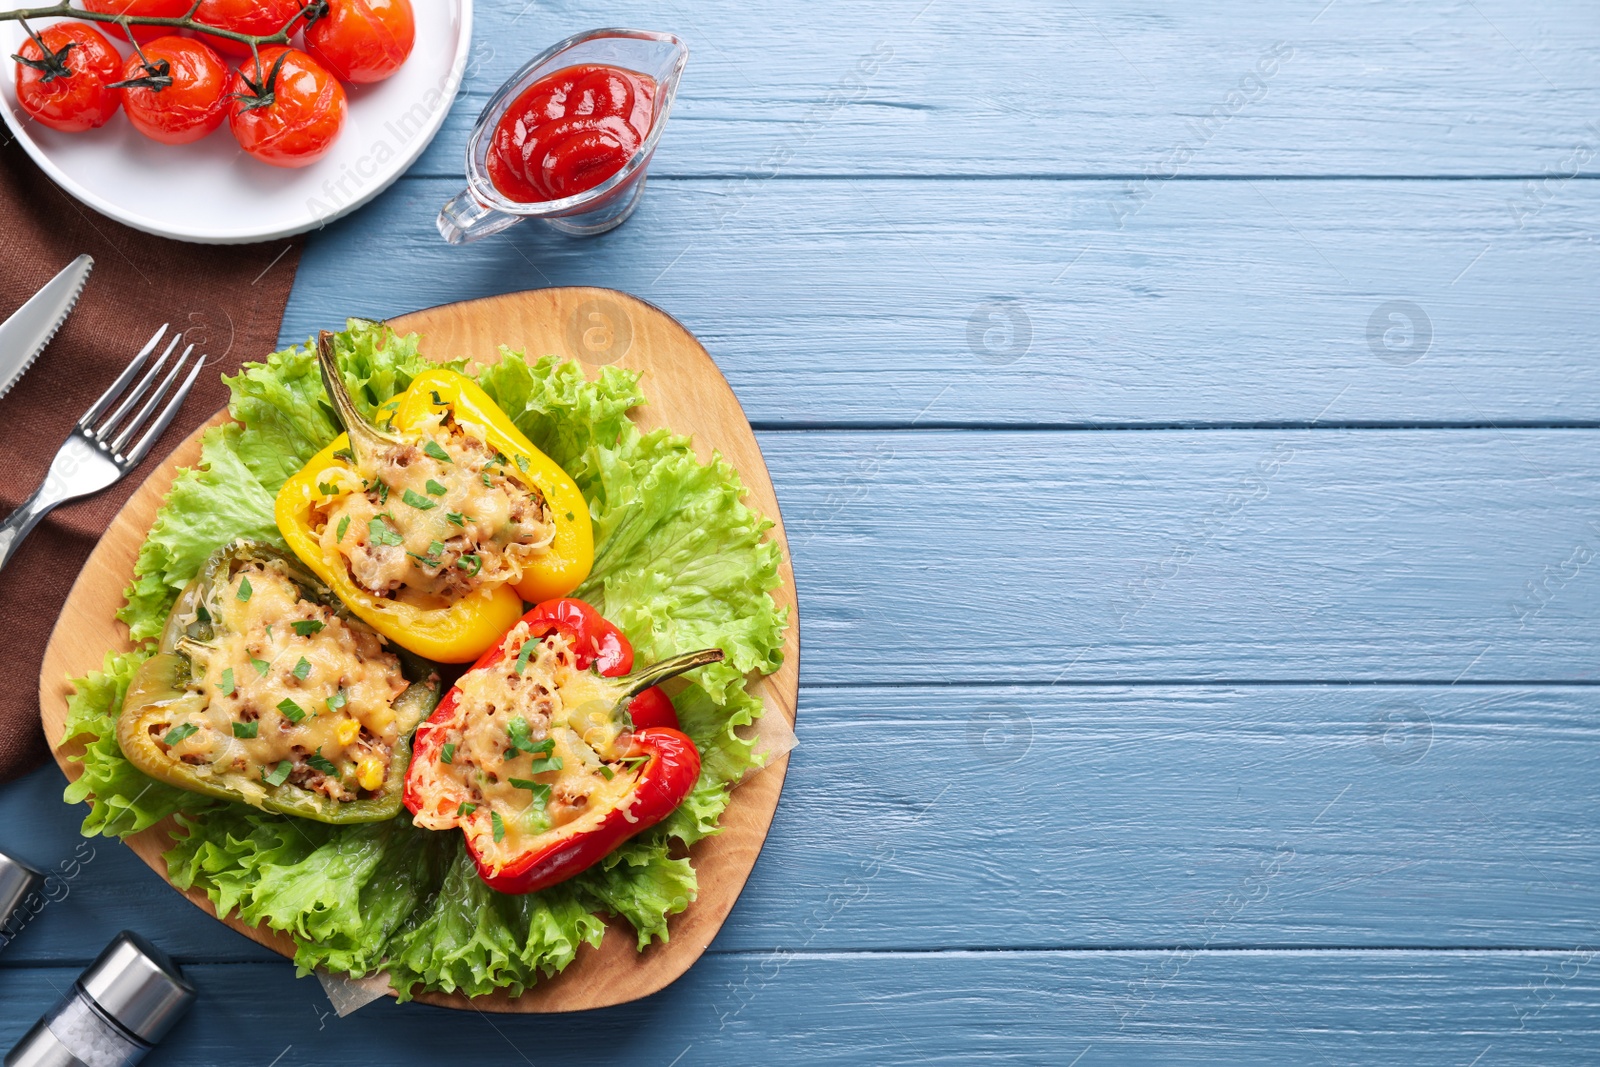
{"x":941,"y":303}
{"x":1094,"y":87}
{"x":1285,"y":555}
{"x":940,"y":1008}
{"x":922,"y":818}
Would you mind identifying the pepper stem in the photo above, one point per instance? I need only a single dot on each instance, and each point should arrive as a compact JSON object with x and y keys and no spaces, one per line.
{"x":656,"y":673}
{"x":365,"y":438}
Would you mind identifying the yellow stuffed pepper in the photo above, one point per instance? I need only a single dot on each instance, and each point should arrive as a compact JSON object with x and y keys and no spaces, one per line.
{"x":436,"y":527}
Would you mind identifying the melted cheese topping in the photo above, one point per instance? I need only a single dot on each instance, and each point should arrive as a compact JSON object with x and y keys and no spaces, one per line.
{"x":432,"y":519}
{"x":261,"y":673}
{"x":577,"y":766}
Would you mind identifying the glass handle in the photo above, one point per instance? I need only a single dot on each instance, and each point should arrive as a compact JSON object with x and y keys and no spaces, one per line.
{"x":463,"y":219}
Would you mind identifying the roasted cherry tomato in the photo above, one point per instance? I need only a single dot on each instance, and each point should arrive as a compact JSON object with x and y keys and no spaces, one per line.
{"x":165,"y":9}
{"x":259,"y":18}
{"x":178,"y":92}
{"x":70,"y":88}
{"x":361,"y":40}
{"x":287,"y":109}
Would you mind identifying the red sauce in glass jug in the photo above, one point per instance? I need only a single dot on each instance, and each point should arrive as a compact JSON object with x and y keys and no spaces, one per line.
{"x":569,"y":131}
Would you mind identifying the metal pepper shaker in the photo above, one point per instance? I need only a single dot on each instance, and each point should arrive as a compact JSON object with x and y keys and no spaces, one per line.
{"x":17,"y":881}
{"x":115,"y":1013}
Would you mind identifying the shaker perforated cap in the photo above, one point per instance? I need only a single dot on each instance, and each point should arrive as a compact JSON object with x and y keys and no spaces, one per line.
{"x":136,"y":984}
{"x":17,"y":880}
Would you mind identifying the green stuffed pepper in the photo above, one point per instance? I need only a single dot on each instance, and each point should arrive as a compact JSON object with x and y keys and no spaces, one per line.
{"x":267,"y":691}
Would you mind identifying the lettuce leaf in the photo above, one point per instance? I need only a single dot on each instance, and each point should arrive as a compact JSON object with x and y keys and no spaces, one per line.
{"x":681,"y":563}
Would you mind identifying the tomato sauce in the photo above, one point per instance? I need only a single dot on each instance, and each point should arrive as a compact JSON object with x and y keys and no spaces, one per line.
{"x":569,"y":131}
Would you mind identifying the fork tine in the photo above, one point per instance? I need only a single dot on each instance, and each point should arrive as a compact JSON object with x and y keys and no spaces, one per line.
{"x":111,"y":394}
{"x":136,"y":423}
{"x":142,"y":449}
{"x":139,"y":388}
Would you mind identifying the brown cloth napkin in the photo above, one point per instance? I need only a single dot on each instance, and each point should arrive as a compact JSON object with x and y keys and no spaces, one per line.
{"x":228,"y":299}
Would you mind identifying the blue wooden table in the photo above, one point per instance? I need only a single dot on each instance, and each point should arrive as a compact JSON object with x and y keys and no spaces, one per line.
{"x":1185,"y":419}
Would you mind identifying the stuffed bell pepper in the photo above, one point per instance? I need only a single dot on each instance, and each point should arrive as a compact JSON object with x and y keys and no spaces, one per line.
{"x":266,"y":691}
{"x":436,"y":526}
{"x":535,"y":756}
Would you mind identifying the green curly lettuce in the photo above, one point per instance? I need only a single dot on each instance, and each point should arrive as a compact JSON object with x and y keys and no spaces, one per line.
{"x":680,"y":563}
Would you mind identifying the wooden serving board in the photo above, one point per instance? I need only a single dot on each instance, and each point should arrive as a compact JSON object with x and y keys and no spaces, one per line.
{"x":686,"y":392}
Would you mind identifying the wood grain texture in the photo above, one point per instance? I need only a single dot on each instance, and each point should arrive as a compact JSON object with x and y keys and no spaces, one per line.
{"x":1095,"y":87}
{"x":687,"y":394}
{"x":1019,"y":303}
{"x":832,"y":233}
{"x":1288,"y":555}
{"x":1387,"y":815}
{"x":954,"y":1008}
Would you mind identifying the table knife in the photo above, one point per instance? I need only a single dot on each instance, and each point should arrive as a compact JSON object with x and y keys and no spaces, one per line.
{"x":24,"y":335}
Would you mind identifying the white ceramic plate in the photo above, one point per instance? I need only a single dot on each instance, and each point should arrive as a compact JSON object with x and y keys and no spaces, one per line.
{"x":211,"y":192}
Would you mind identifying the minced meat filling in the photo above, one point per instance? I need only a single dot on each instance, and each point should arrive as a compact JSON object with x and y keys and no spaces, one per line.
{"x":291,"y":692}
{"x":433,"y":519}
{"x":535,"y":744}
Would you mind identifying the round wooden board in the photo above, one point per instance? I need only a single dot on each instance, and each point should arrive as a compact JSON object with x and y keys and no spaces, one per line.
{"x":686,"y":392}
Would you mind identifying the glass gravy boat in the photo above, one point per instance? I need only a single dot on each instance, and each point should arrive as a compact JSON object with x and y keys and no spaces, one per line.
{"x":480,"y":210}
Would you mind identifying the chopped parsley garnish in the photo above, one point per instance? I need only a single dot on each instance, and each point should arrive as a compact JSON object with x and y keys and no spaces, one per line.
{"x":448,"y":753}
{"x":262,"y":666}
{"x":246,"y":730}
{"x":522,"y":463}
{"x":550,"y":763}
{"x":435,"y":394}
{"x":472,"y":563}
{"x":302,"y":670}
{"x":344,"y":525}
{"x":417,"y":500}
{"x":432,"y":448}
{"x":345,"y":454}
{"x":456,"y":517}
{"x":338,"y":700}
{"x":307,"y":627}
{"x":317,"y":761}
{"x":517,"y":731}
{"x":327,"y":488}
{"x":540,"y":791}
{"x":523,"y":656}
{"x":226,"y":685}
{"x":607,"y":772}
{"x":569,"y":516}
{"x":487,"y":484}
{"x":434,"y":488}
{"x":435,"y":549}
{"x":279,"y":775}
{"x":291,"y":711}
{"x":178,"y":733}
{"x":499,"y":826}
{"x":466,"y":808}
{"x":383,"y":492}
{"x":244,"y":589}
{"x":378,"y":533}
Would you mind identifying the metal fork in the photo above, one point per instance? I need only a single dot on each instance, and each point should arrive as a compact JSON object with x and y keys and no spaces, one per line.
{"x":99,"y":451}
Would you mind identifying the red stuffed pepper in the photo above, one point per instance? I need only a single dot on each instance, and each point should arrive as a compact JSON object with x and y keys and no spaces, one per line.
{"x":548,"y":753}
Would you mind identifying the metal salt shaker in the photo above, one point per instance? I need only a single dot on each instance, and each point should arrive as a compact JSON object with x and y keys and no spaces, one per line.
{"x":116,"y":1011}
{"x":17,"y":882}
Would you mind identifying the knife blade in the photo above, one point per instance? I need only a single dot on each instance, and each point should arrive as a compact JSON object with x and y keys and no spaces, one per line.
{"x":24,"y":335}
